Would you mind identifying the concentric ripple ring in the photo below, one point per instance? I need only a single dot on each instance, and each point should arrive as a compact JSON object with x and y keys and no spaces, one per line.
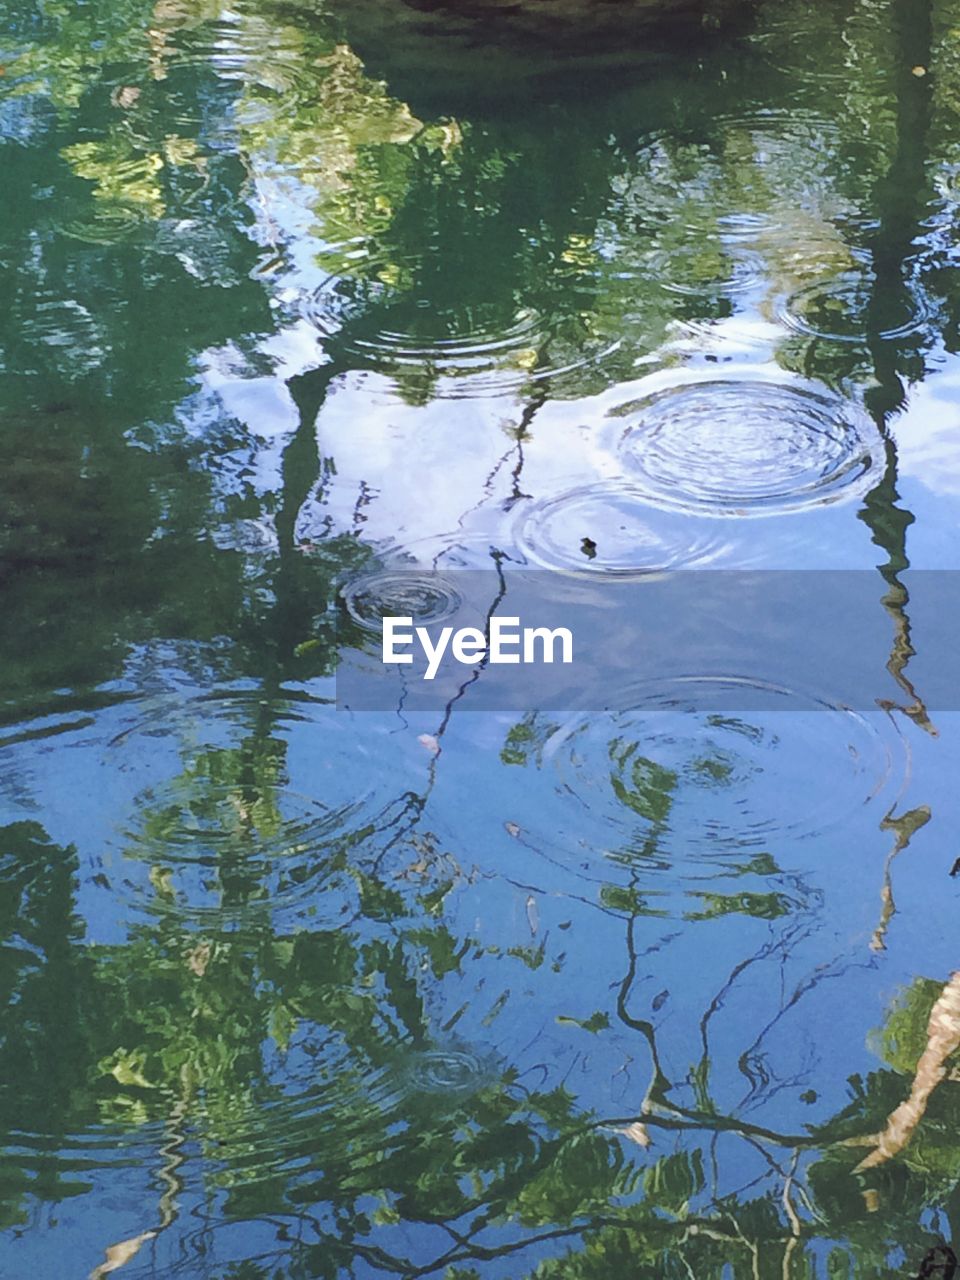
{"x":686,"y":768}
{"x":839,"y":310}
{"x":424,"y":597}
{"x":609,"y":529}
{"x":747,"y":445}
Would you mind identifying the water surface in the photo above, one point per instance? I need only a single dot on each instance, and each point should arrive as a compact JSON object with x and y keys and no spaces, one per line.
{"x":309,"y":308}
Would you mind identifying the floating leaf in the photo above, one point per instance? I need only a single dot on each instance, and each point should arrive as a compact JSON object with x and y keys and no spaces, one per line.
{"x":198,"y":958}
{"x":596,"y":1022}
{"x":636,"y":1132}
{"x":118,"y":1255}
{"x":127,"y":1069}
{"x":533,"y":915}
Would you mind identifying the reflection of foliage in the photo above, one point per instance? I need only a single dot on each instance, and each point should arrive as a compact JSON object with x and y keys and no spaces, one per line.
{"x":120,"y":172}
{"x":642,"y":785}
{"x":299,"y":1061}
{"x":525,"y":736}
{"x":345,"y":144}
{"x":762,"y":906}
{"x":901,"y":1039}
{"x":305,"y":1052}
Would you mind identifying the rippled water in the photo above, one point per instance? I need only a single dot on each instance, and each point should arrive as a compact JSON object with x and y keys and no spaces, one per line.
{"x":388,"y":320}
{"x":312,"y":313}
{"x":748,"y":445}
{"x":608,"y":528}
{"x":424,"y":598}
{"x":673,"y":768}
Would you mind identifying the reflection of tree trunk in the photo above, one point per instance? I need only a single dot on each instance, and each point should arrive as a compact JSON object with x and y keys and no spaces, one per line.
{"x":943,"y":1038}
{"x":296,"y":604}
{"x":904,"y":829}
{"x":900,"y":200}
{"x":900,"y":196}
{"x":888,"y":524}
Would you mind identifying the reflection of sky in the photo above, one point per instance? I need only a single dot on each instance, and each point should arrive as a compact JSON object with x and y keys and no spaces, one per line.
{"x":928,"y":447}
{"x":544,"y":949}
{"x":427,"y":473}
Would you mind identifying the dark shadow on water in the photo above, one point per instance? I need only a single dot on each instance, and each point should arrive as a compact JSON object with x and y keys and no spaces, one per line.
{"x":486,"y":56}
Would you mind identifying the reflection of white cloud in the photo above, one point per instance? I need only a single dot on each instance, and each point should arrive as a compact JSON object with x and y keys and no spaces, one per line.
{"x":928,"y":432}
{"x":406,"y":473}
{"x":263,"y":404}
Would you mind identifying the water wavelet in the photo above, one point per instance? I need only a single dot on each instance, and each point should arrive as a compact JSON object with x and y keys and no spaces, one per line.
{"x":732,"y":201}
{"x":695,"y":779}
{"x":764,"y":181}
{"x":424,"y":597}
{"x":749,"y":443}
{"x":410,"y":320}
{"x":79,"y":1160}
{"x":611,"y":529}
{"x":270,"y":66}
{"x":70,"y":333}
{"x":446,"y":1071}
{"x":334,"y":1107}
{"x":708,"y":269}
{"x":328,"y":1106}
{"x":204,"y":251}
{"x":103,"y":224}
{"x":243,"y":804}
{"x":839,"y":310}
{"x":823,"y":47}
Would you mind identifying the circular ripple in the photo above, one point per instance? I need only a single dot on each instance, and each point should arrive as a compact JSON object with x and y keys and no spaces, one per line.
{"x":748,"y":446}
{"x":336,"y":1105}
{"x":400,"y":593}
{"x":103,"y":225}
{"x":686,"y":178}
{"x":822,"y":54}
{"x":706,"y":270}
{"x":243,"y":804}
{"x":678,"y":772}
{"x":839,"y":310}
{"x":449,"y":1071}
{"x":402,"y":329}
{"x":70,"y":334}
{"x":67,"y":1161}
{"x":268,"y":63}
{"x":609,"y":529}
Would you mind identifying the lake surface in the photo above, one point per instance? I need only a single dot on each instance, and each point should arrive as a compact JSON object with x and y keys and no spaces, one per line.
{"x":312,"y":312}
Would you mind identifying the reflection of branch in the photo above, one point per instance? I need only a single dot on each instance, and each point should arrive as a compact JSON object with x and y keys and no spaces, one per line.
{"x":682,"y":1119}
{"x":905,"y":827}
{"x":943,"y":1038}
{"x":895,"y":602}
{"x":119,"y":1254}
{"x":659,"y":1083}
{"x":475,"y":675}
{"x":899,"y":198}
{"x":170,"y":1151}
{"x":792,"y":1218}
{"x":471,"y":1250}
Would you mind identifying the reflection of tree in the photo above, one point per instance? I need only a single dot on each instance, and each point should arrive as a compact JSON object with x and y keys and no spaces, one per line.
{"x":901,"y":200}
{"x":299,"y":1064}
{"x":809,"y":1192}
{"x":45,"y":973}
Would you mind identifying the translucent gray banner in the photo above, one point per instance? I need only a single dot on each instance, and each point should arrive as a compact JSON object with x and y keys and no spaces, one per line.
{"x":849,"y":638}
